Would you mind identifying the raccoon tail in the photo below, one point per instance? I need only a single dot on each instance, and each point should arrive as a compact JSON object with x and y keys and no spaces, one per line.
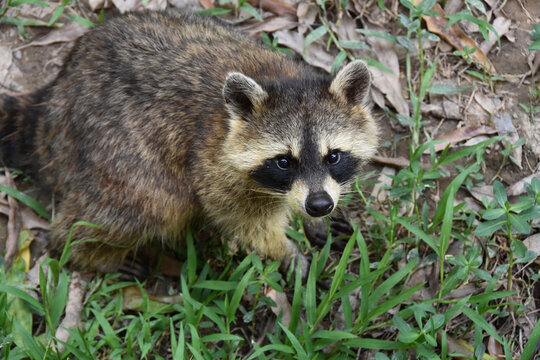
{"x":19,"y":116}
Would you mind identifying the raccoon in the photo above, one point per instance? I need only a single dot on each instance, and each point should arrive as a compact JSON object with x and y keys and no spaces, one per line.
{"x":160,"y":118}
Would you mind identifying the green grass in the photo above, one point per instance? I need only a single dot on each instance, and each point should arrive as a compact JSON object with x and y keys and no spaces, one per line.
{"x":373,"y":305}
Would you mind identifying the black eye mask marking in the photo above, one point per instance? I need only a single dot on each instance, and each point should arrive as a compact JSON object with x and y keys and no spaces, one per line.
{"x":344,"y":168}
{"x":277,"y":173}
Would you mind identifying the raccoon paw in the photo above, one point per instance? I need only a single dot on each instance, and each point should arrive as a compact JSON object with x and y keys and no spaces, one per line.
{"x":316,"y":231}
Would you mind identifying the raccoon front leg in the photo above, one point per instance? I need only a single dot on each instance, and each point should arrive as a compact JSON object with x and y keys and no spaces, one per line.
{"x":267,"y":238}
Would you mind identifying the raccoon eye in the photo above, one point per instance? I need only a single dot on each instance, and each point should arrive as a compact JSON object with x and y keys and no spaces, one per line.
{"x":333,"y":158}
{"x":283,"y":163}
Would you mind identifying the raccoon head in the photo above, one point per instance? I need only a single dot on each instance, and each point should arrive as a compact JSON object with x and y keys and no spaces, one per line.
{"x":304,"y":138}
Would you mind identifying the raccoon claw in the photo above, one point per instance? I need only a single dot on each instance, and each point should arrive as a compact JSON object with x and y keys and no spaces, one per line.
{"x":341,"y":226}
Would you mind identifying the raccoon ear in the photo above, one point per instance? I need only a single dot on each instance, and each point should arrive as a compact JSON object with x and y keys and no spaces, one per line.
{"x":242,"y":94}
{"x":352,"y":83}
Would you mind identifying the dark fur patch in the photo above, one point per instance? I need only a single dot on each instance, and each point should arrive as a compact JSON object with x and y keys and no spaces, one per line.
{"x":345,"y":169}
{"x":271,"y":176}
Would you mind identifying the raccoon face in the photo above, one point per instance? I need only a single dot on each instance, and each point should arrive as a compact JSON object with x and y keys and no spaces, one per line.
{"x":306,"y":139}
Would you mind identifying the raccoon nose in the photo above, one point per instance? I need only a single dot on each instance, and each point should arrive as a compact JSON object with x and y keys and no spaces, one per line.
{"x":319,"y":204}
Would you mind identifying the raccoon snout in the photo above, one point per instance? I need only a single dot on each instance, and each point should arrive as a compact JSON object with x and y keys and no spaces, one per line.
{"x":319,"y":204}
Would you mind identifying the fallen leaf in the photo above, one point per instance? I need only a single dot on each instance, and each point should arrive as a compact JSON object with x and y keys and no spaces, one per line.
{"x":505,"y":127}
{"x":465,"y":290}
{"x":453,"y":6}
{"x":456,"y":37}
{"x":494,"y":348}
{"x":388,"y":83}
{"x":97,"y":4}
{"x":131,"y":5}
{"x":461,"y":134}
{"x":445,"y":109}
{"x":133,"y":299}
{"x":479,"y":192}
{"x":32,"y":276}
{"x":282,"y":305}
{"x":346,"y":31}
{"x":488,"y":103}
{"x":66,"y":33}
{"x":29,"y":10}
{"x":206,"y":4}
{"x":156,"y":5}
{"x":269,"y":24}
{"x":125,"y":5}
{"x":6,"y":58}
{"x":533,"y":243}
{"x":501,"y":25}
{"x":315,"y":54}
{"x":384,"y":183}
{"x":519,"y":187}
{"x":306,"y":13}
{"x":275,"y":6}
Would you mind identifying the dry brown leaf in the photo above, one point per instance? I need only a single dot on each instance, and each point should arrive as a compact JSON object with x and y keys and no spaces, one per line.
{"x":479,"y":192}
{"x":282,"y":305}
{"x":131,"y":5}
{"x":72,"y":317}
{"x":133,"y":298}
{"x":315,"y":54}
{"x":384,"y":182}
{"x":30,"y":220}
{"x":463,"y":291}
{"x":68,"y":32}
{"x":489,"y":103}
{"x":387,"y":83}
{"x":275,"y":6}
{"x":33,"y":11}
{"x":125,"y":5}
{"x":346,"y":31}
{"x":97,"y":4}
{"x":269,"y":24}
{"x":446,"y":109}
{"x":533,"y":243}
{"x":453,"y":6}
{"x":456,"y":37}
{"x":306,"y":13}
{"x":494,"y":348}
{"x":206,"y":4}
{"x":519,"y":187}
{"x":501,"y":25}
{"x":461,"y":134}
{"x":425,"y":274}
{"x":505,"y":127}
